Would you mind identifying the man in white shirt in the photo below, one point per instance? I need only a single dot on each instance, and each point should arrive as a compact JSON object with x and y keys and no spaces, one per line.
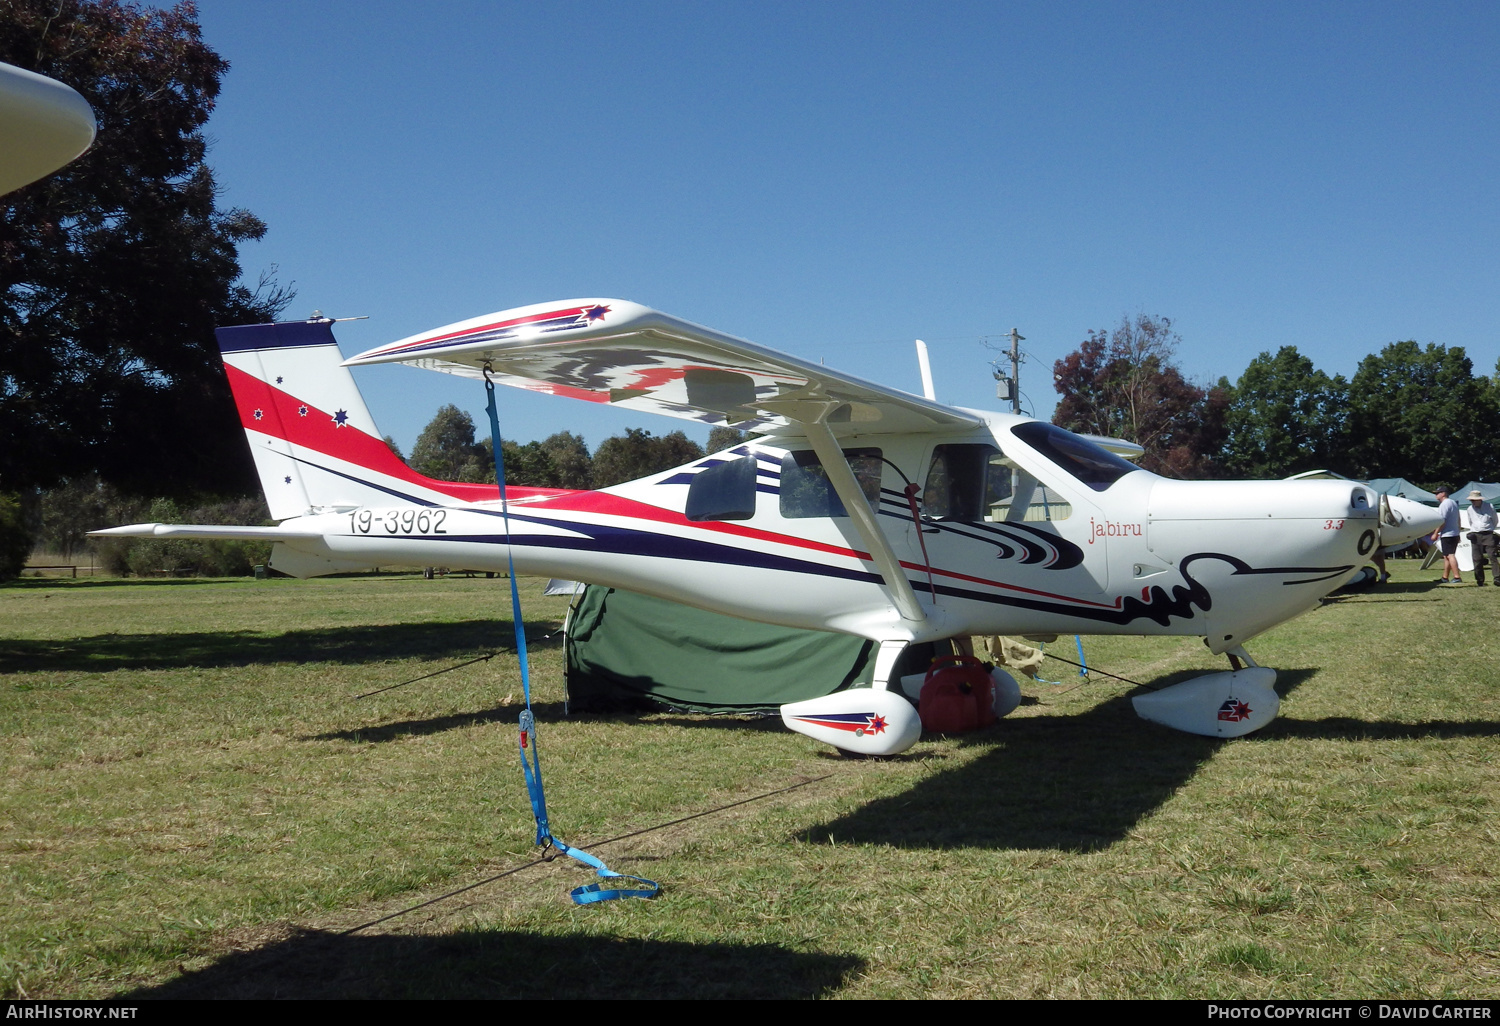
{"x":1480,"y":520}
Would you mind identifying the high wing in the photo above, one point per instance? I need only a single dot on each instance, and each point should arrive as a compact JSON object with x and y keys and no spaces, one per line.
{"x":627,"y":355}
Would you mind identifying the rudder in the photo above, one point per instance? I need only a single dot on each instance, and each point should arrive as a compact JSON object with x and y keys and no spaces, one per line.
{"x":314,"y":443}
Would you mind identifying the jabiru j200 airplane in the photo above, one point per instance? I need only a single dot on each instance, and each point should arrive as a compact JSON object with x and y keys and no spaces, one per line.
{"x":852,"y":507}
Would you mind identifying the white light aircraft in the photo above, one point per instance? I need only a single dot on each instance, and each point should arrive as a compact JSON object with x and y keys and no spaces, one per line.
{"x":853,"y":507}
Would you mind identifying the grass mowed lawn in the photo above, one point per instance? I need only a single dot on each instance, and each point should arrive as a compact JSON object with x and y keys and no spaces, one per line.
{"x":193,"y":804}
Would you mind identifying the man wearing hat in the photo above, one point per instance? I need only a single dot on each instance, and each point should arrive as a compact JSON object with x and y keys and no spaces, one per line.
{"x":1480,"y":520}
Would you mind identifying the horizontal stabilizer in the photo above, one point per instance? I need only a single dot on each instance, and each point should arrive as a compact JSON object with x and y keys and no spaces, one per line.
{"x":223,"y":532}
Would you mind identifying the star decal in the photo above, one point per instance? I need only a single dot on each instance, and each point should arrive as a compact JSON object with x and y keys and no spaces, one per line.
{"x":877,"y":725}
{"x":302,"y":411}
{"x":279,"y":379}
{"x":595,"y":313}
{"x":288,"y":479}
{"x":259,"y":414}
{"x":341,"y":418}
{"x":1234,"y":710}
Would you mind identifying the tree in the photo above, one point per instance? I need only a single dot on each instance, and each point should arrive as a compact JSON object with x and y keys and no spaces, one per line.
{"x":446,"y":450}
{"x":530,"y":464}
{"x":571,"y":462}
{"x":115,"y":270}
{"x":16,"y":538}
{"x":637,"y":454}
{"x":1420,"y":413}
{"x":721,"y":438}
{"x":1284,"y":417}
{"x":1123,"y":384}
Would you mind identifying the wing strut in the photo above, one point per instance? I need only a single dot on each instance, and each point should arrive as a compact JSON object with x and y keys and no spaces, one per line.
{"x":812,"y":415}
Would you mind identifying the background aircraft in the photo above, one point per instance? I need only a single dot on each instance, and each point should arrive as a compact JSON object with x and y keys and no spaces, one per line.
{"x":43,"y":125}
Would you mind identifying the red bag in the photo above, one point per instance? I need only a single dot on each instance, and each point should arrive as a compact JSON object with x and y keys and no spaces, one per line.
{"x":958,"y":695}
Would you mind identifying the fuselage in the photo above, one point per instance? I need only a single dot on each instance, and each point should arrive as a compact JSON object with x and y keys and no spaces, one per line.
{"x":1019,"y":528}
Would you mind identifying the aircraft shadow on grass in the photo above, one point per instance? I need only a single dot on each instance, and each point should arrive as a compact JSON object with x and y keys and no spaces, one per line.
{"x":510,"y":713}
{"x":350,"y":645}
{"x":1081,"y":782}
{"x":315,"y":964}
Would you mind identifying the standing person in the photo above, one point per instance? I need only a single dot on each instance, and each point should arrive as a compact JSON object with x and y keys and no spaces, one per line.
{"x":1446,"y":537}
{"x":1481,"y":523}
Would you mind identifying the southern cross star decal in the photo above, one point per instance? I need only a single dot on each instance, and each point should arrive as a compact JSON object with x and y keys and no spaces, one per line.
{"x":278,"y":379}
{"x":259,"y":414}
{"x":288,"y":479}
{"x":341,"y":418}
{"x":595,"y":313}
{"x":302,"y":411}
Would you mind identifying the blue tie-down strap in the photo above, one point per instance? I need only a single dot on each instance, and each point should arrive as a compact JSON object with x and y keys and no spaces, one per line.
{"x":531,"y":767}
{"x":589,"y":893}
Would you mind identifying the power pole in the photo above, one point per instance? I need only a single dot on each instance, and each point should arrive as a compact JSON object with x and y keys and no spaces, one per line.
{"x":1009,"y":387}
{"x":1015,"y":370}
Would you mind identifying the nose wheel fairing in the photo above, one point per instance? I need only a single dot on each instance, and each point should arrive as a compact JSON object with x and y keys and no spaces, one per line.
{"x":1228,"y":704}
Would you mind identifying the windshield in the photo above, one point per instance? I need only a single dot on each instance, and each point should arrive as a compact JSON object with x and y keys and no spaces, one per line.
{"x":1094,"y":466}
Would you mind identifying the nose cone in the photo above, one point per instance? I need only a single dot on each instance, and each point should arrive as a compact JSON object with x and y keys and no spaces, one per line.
{"x":1403,"y":521}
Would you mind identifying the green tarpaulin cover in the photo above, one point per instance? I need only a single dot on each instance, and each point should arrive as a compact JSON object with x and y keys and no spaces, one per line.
{"x":631,"y":651}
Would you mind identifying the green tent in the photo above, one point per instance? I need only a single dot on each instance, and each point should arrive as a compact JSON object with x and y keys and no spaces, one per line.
{"x":632,"y":652}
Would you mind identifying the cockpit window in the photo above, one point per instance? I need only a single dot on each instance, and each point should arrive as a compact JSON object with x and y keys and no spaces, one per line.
{"x":724,"y":492}
{"x":1094,"y":466}
{"x":965,"y":483}
{"x":807,"y":492}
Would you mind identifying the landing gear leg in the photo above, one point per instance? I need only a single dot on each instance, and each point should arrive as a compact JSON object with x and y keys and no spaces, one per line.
{"x":885,"y":663}
{"x":1239,"y":658}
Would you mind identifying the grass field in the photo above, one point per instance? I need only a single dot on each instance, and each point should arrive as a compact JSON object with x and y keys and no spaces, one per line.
{"x":195,"y":805}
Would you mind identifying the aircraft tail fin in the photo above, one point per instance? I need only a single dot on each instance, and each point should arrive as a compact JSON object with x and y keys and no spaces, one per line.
{"x":314,"y":443}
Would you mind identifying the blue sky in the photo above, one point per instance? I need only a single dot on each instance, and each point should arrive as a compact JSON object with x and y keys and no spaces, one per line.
{"x":836,"y":180}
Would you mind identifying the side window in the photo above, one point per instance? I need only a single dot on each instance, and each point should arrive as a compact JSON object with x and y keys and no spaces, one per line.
{"x":1033,"y":501}
{"x":965,"y":483}
{"x":807,"y":492}
{"x":725,"y":492}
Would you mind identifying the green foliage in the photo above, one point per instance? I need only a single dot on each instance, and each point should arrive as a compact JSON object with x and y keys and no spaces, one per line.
{"x":446,"y":450}
{"x":71,"y":510}
{"x":16,"y":537}
{"x":1420,"y":413}
{"x":572,"y":465}
{"x":638,"y":453}
{"x":1285,"y":417}
{"x":1123,"y":384}
{"x":721,"y":438}
{"x":115,"y":270}
{"x":529,"y":464}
